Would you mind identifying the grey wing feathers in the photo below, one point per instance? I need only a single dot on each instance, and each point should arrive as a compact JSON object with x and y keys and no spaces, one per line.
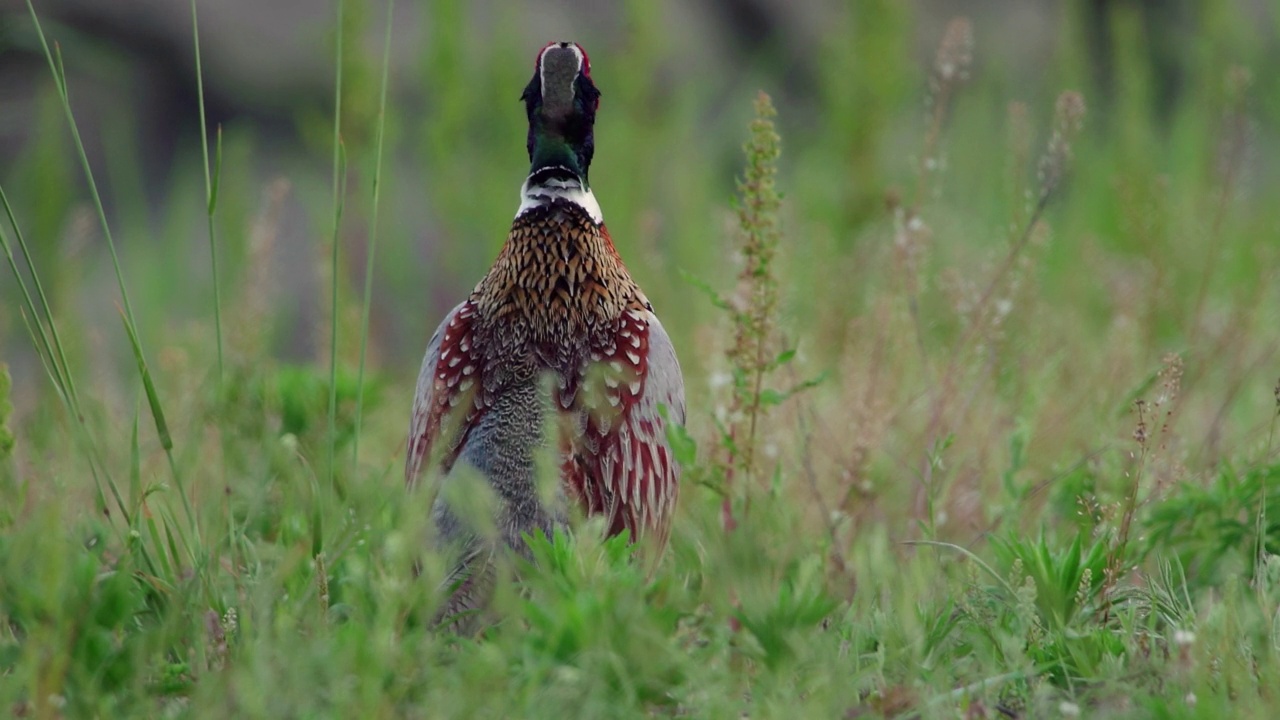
{"x":665,"y":384}
{"x":416,"y":444}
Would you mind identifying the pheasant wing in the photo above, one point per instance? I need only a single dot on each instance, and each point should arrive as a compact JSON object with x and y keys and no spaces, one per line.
{"x":446,"y":381}
{"x":623,"y":467}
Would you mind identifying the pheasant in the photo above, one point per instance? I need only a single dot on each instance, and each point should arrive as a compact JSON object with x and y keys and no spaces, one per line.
{"x":556,"y":348}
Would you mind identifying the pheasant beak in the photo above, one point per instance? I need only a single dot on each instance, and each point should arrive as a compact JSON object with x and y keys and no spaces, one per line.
{"x":558,"y":69}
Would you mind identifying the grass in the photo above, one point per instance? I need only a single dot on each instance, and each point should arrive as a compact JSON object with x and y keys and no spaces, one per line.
{"x":983,"y":400}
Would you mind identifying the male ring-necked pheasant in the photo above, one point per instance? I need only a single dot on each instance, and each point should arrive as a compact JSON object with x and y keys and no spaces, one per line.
{"x":556,"y":347}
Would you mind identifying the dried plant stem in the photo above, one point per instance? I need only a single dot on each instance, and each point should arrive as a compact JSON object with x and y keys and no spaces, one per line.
{"x":1069,"y":113}
{"x":1116,"y":558}
{"x":756,"y":300}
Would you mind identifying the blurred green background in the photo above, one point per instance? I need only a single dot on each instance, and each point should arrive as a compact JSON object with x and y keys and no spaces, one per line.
{"x":849,"y":79}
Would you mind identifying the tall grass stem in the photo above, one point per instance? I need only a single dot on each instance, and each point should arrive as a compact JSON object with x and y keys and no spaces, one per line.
{"x":373,"y":231}
{"x":210,"y":190}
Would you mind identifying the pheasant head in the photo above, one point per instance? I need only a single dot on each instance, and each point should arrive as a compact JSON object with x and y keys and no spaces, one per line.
{"x":561,"y":102}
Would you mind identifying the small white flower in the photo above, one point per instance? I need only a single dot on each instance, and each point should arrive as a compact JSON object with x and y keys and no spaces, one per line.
{"x":1183,"y":637}
{"x":1190,"y":699}
{"x":1069,"y":709}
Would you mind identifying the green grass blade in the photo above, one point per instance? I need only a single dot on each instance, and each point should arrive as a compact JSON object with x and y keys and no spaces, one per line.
{"x":136,"y":498}
{"x":30,"y":316}
{"x":373,"y":232}
{"x":162,"y":427}
{"x":339,"y":188}
{"x":54,"y":59}
{"x":53,"y":357}
{"x":58,"y":360}
{"x":972,"y":556}
{"x":34,"y":330}
{"x":55,"y":65}
{"x":166,"y":565}
{"x":153,"y":400}
{"x":135,"y":463}
{"x":211,"y":196}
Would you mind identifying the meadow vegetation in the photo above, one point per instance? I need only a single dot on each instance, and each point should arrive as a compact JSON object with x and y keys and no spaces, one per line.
{"x":982,"y":392}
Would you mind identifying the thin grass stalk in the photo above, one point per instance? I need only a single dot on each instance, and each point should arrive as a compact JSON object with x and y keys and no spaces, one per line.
{"x":137,"y":496}
{"x":373,"y":231}
{"x":39,"y":338}
{"x":53,"y":359}
{"x":211,"y":184}
{"x":54,"y":59}
{"x":339,"y":187}
{"x":166,"y":441}
{"x":59,"y":360}
{"x":35,"y":330}
{"x":210,"y":190}
{"x":50,"y":350}
{"x":1116,"y":560}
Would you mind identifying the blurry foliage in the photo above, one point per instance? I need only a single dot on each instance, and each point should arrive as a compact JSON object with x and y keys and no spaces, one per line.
{"x":1222,"y":528}
{"x":87,"y":625}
